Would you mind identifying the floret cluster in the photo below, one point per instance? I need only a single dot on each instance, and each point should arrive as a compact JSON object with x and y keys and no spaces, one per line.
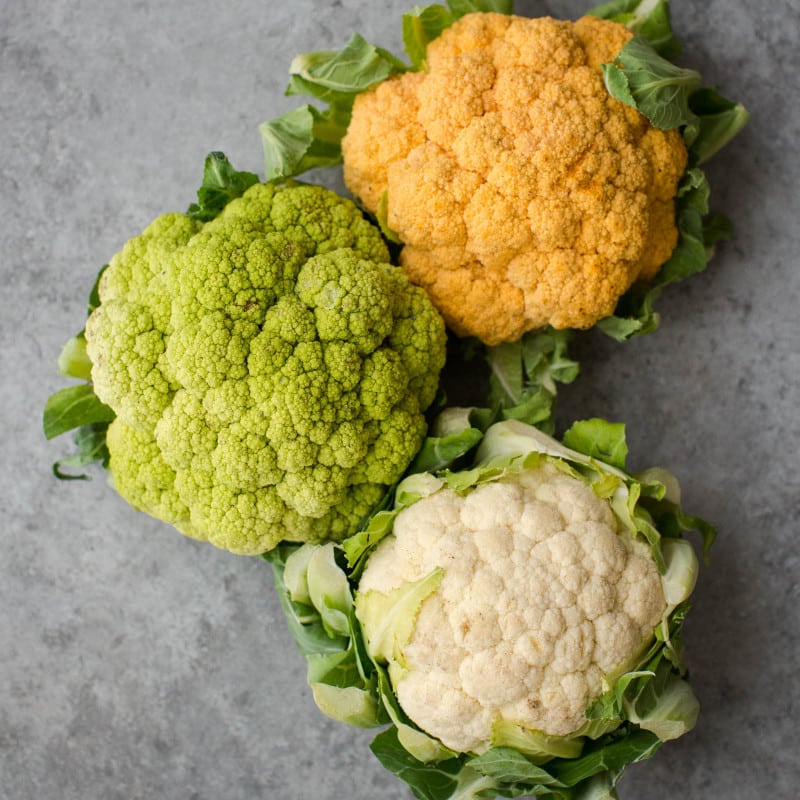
{"x":542,"y":595}
{"x":268,"y":369}
{"x":530,"y":189}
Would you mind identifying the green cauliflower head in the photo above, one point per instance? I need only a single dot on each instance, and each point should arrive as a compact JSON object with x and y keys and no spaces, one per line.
{"x":269,"y":369}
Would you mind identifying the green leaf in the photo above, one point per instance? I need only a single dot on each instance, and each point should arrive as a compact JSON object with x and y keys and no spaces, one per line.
{"x":680,"y":575}
{"x":302,"y":139}
{"x":666,"y":705}
{"x":450,"y":779}
{"x":334,"y":76}
{"x":697,"y":233}
{"x":617,"y":84}
{"x":455,"y":778}
{"x":462,"y":7}
{"x":507,"y":765}
{"x":348,"y":704}
{"x":221,"y":184}
{"x":507,"y":376}
{"x":641,"y":78}
{"x":77,"y":407}
{"x":614,"y":10}
{"x":544,"y":354}
{"x":719,"y":120}
{"x":328,"y":589}
{"x":91,"y":443}
{"x":673,"y":522}
{"x":523,"y":376}
{"x":73,"y":362}
{"x":599,"y":439}
{"x":421,"y":26}
{"x":538,"y":747}
{"x":439,"y":452}
{"x":316,"y":601}
{"x":303,"y":620}
{"x":94,"y":294}
{"x":625,"y":504}
{"x":338,"y":669}
{"x":72,"y":408}
{"x":634,"y":747}
{"x":598,"y":787}
{"x":295,"y":573}
{"x":512,"y":444}
{"x":690,"y":255}
{"x":609,"y":705}
{"x":648,"y":18}
{"x":417,"y":743}
{"x":378,"y":526}
{"x":381,"y":215}
{"x":642,"y":320}
{"x":670,"y":97}
{"x":428,"y":781}
{"x":307,"y":138}
{"x":716,"y":228}
{"x":651,"y":21}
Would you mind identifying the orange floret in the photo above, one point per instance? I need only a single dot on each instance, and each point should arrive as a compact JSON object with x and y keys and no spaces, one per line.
{"x":524,"y":193}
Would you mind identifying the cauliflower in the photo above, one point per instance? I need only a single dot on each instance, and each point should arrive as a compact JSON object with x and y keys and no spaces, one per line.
{"x":268,"y":369}
{"x":542,"y":593}
{"x":518,"y":622}
{"x":513,"y":178}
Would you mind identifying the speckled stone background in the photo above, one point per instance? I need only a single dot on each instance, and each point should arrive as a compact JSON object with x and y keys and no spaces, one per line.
{"x":135,"y":663}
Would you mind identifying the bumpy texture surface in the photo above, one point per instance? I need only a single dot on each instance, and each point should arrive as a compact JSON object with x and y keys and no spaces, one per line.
{"x":524,"y":193}
{"x":542,"y":594}
{"x":268,"y":369}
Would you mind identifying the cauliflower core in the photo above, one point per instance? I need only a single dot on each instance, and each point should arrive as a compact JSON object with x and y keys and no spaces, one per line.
{"x":269,"y":369}
{"x":542,"y":594}
{"x":524,"y":193}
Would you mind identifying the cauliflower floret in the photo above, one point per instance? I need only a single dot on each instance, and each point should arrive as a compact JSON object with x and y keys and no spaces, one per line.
{"x":542,"y":593}
{"x":269,"y":369}
{"x":514,"y":179}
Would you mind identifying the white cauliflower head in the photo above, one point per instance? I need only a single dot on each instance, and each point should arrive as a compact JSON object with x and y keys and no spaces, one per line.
{"x":531,"y":591}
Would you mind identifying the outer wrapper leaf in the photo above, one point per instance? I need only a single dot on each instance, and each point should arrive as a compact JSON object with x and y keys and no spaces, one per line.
{"x":610,"y":757}
{"x":649,"y":18}
{"x":641,"y":78}
{"x":338,"y":76}
{"x":599,"y":439}
{"x":342,"y":687}
{"x":420,"y":27}
{"x":462,"y":7}
{"x":90,"y":441}
{"x":698,"y":232}
{"x":221,"y":184}
{"x":524,"y":374}
{"x":73,"y":362}
{"x":431,"y":781}
{"x":718,"y":121}
{"x":302,"y":139}
{"x":77,"y":408}
{"x":72,"y":407}
{"x":307,"y":138}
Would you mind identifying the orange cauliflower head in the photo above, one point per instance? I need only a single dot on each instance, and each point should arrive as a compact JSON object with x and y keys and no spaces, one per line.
{"x":524,"y":193}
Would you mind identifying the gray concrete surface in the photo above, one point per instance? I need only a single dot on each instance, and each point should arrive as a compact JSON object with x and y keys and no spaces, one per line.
{"x":135,"y":663}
